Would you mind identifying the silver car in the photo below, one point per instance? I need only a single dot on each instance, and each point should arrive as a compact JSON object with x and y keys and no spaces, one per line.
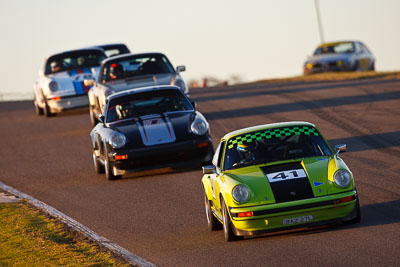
{"x":340,"y":56}
{"x":60,"y":84}
{"x":131,"y":71}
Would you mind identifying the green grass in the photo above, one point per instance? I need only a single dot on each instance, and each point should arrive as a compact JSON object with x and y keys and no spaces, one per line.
{"x":337,"y":76}
{"x":30,"y":238}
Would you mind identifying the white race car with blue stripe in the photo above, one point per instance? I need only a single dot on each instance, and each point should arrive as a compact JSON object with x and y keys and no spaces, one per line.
{"x":60,"y":85}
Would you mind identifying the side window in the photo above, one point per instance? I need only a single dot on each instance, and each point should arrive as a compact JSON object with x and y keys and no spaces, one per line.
{"x":365,"y":49}
{"x":218,"y":155}
{"x":358,"y":48}
{"x":362,"y":49}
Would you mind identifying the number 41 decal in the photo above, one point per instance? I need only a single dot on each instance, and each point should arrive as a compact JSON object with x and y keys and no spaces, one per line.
{"x":286,"y":175}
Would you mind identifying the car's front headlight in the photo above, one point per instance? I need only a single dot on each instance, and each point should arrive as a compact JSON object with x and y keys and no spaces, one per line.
{"x":240,"y":193}
{"x":181,"y":84}
{"x":117,"y":140}
{"x":199,"y":127}
{"x":342,"y":178}
{"x":53,"y":86}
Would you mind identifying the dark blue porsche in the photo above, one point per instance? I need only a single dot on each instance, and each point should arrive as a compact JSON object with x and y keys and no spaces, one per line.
{"x":148,"y":129}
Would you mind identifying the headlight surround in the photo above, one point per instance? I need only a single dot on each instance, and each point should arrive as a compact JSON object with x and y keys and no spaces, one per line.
{"x":199,"y":127}
{"x":342,"y":178}
{"x":117,"y":140}
{"x":53,"y":86}
{"x":240,"y":193}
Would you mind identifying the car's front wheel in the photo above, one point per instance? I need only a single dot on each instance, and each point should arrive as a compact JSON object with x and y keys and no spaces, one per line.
{"x":212,"y":222}
{"x":108,"y":169}
{"x":372,"y":67}
{"x":38,"y":110}
{"x":228,"y":232}
{"x":46,"y":110}
{"x":207,"y":160}
{"x":98,"y":168}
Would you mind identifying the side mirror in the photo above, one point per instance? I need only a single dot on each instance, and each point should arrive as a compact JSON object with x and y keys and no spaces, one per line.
{"x":101,"y":118}
{"x":88,"y":82}
{"x":340,"y":148}
{"x":180,"y":68}
{"x":209,"y":169}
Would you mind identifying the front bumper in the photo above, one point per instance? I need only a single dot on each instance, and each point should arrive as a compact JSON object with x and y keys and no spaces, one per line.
{"x":195,"y":152}
{"x":275,"y":217}
{"x":59,"y":104}
{"x":326,"y":67}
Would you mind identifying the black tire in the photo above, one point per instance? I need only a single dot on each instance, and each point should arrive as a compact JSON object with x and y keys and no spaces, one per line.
{"x":98,"y":168}
{"x":207,"y":160}
{"x":228,"y":232}
{"x":212,"y":222}
{"x":372,"y":67}
{"x":93,"y":118}
{"x":38,"y":110}
{"x":108,"y":169}
{"x":357,"y":66}
{"x":46,"y":110}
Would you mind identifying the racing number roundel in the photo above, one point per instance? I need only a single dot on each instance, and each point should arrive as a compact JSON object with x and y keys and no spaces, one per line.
{"x":286,"y":175}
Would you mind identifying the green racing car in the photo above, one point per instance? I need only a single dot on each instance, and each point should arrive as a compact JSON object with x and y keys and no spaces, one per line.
{"x":275,"y":177}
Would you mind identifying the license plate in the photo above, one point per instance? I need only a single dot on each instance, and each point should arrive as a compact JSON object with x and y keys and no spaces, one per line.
{"x":307,"y":218}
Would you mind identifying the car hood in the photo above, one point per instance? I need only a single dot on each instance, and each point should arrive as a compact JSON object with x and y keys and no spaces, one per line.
{"x":329,"y":57}
{"x":276,"y":182}
{"x":156,"y":129}
{"x":72,"y":81}
{"x":140,"y":81}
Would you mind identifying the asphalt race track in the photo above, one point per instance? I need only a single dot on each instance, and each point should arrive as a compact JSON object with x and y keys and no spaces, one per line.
{"x":161,"y":218}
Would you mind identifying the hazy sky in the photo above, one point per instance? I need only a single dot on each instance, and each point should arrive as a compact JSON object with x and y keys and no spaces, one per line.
{"x":255,"y":39}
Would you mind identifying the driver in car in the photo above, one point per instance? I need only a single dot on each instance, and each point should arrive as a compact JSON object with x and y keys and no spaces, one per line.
{"x":247,"y":152}
{"x":123,"y":112}
{"x":55,"y":66}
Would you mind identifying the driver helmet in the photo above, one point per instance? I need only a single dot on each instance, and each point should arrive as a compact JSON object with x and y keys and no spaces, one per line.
{"x":55,"y":66}
{"x":116,"y":71}
{"x":247,"y":151}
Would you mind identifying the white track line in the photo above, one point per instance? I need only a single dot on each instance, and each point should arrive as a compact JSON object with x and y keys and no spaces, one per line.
{"x":135,"y":260}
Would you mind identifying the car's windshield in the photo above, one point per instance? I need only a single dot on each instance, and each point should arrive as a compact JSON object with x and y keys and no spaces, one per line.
{"x":74,"y":60}
{"x":136,"y":66}
{"x":274,"y":145}
{"x":337,"y":48}
{"x":146,"y":103}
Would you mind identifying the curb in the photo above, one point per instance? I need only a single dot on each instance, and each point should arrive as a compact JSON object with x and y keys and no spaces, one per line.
{"x":118,"y":250}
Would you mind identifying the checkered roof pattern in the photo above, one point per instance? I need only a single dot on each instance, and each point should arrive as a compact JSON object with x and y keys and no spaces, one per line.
{"x":267,"y":134}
